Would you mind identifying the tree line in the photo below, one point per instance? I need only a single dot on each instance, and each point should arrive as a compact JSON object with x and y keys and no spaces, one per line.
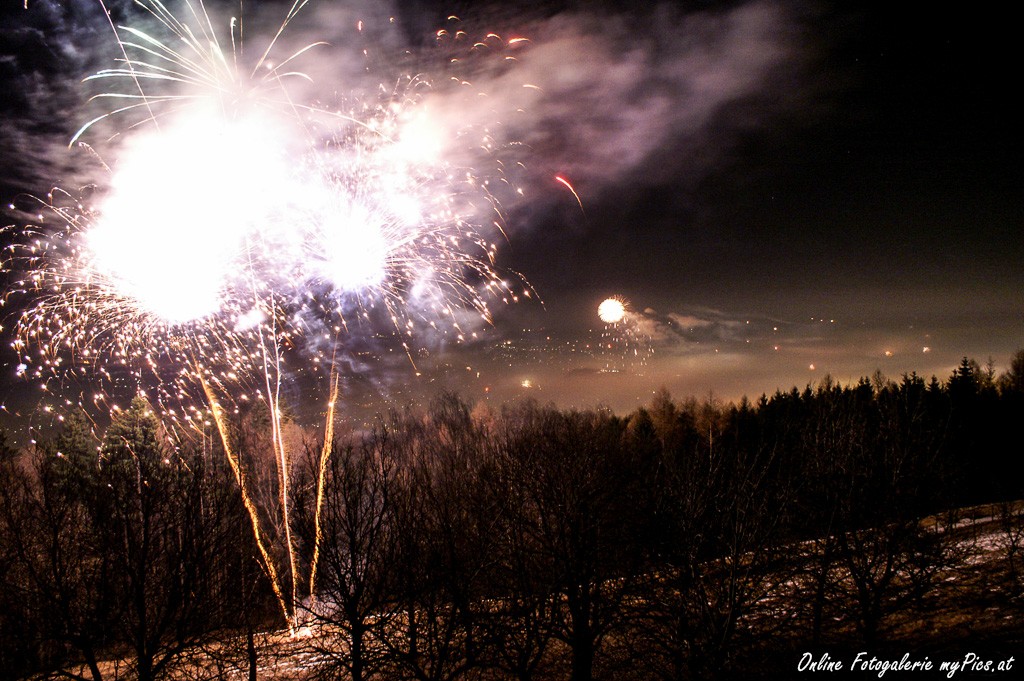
{"x":520,"y":542}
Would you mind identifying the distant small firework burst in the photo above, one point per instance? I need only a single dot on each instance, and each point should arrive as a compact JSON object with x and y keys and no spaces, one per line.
{"x":624,"y":345}
{"x":611,"y":310}
{"x":242,"y":230}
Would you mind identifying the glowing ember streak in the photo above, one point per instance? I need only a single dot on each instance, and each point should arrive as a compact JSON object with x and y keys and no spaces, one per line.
{"x":564,"y":181}
{"x":250,"y":507}
{"x":325,"y":455}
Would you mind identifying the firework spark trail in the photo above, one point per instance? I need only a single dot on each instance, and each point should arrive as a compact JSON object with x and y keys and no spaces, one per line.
{"x":562,"y":180}
{"x":250,"y":506}
{"x":321,"y":479}
{"x":281,"y":460}
{"x":128,"y":62}
{"x":207,"y":70}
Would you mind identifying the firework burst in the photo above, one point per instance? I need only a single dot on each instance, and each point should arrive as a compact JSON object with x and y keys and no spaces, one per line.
{"x":623,"y":343}
{"x":241,"y":228}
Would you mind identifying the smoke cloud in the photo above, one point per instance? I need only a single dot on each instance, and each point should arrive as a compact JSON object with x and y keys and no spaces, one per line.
{"x":604,"y":98}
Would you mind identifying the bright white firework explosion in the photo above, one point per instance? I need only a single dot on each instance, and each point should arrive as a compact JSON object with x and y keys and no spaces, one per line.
{"x":611,"y":310}
{"x":240,"y":208}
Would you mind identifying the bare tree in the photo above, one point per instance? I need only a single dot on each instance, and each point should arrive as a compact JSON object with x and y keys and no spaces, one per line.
{"x":444,"y":550}
{"x":158,"y":545}
{"x":358,"y":545}
{"x":890,"y":479}
{"x":722,"y":513}
{"x":1011,"y":524}
{"x":518,"y":620}
{"x":55,"y":552}
{"x":20,"y":631}
{"x":581,"y":508}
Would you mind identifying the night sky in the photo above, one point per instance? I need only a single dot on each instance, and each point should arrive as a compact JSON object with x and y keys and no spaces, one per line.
{"x":778,"y":190}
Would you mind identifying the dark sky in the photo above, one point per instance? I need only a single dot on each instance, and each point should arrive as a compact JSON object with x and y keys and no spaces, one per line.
{"x":779,"y":190}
